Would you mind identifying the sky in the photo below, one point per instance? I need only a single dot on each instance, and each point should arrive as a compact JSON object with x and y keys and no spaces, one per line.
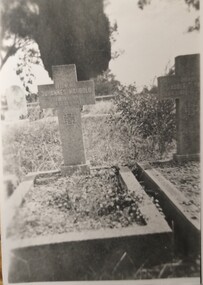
{"x":150,"y":39}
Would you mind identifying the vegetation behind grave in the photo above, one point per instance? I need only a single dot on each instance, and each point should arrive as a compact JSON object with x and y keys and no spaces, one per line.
{"x":138,"y":127}
{"x":109,"y":140}
{"x":143,"y":115}
{"x":106,"y":83}
{"x":140,"y":114}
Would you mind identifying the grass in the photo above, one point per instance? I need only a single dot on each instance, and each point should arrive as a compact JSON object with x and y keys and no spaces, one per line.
{"x":36,"y":145}
{"x":31,"y":147}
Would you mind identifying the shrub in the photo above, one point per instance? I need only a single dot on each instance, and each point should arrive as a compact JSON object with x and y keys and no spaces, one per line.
{"x":143,"y":115}
{"x":106,"y":83}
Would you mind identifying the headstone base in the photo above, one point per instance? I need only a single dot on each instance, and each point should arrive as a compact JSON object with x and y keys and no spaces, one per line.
{"x":82,"y":169}
{"x":186,"y":157}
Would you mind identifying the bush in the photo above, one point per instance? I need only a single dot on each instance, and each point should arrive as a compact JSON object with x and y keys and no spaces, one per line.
{"x":143,"y":115}
{"x":106,"y":83}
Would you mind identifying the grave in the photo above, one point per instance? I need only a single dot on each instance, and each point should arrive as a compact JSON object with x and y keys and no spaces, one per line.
{"x":185,"y":216}
{"x":91,"y":253}
{"x":16,"y":103}
{"x":184,"y":87}
{"x":88,"y":254}
{"x":180,"y":209}
{"x":68,"y":96}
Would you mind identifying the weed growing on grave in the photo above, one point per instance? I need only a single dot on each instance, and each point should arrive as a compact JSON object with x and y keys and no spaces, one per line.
{"x":66,"y":204}
{"x":123,"y":205}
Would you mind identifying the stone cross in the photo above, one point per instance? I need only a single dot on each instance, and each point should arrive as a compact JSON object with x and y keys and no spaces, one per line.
{"x":68,"y":96}
{"x":184,"y":87}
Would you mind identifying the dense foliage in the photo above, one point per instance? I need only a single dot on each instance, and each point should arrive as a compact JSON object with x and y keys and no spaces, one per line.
{"x":106,"y":83}
{"x":66,"y":31}
{"x":144,"y":115}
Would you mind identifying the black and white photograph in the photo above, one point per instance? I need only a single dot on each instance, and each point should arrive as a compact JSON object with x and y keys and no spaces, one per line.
{"x":100,"y":142}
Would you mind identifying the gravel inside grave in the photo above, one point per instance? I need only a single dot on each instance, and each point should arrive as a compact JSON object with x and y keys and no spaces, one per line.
{"x":59,"y":204}
{"x":186,"y":177}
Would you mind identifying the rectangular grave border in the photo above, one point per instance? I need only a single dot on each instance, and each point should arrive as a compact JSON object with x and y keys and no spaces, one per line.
{"x":173,"y":200}
{"x":155,"y":236}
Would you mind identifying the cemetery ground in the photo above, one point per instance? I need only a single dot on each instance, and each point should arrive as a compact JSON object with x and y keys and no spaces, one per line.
{"x":35,"y":146}
{"x":185,"y":176}
{"x":76,"y":204}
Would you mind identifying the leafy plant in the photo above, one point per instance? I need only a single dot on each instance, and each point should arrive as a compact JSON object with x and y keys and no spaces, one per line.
{"x":144,"y":116}
{"x":106,"y":83}
{"x":27,"y":56}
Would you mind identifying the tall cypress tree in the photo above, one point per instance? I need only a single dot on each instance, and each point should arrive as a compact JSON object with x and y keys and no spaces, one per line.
{"x":67,"y":31}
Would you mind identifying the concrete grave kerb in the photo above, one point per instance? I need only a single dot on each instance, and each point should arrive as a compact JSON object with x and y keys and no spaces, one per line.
{"x":91,"y":246}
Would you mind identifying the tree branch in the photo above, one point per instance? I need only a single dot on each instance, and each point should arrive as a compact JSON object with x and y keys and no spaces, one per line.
{"x":12,"y":50}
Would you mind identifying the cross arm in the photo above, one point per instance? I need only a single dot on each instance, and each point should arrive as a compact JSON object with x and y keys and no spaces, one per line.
{"x":170,"y":87}
{"x":86,"y":92}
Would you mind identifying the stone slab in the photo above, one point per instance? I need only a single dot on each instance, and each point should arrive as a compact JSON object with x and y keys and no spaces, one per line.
{"x":172,"y":200}
{"x":87,"y":255}
{"x":86,"y":259}
{"x":185,"y":158}
{"x":82,"y":169}
{"x":105,"y":97}
{"x":148,"y":209}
